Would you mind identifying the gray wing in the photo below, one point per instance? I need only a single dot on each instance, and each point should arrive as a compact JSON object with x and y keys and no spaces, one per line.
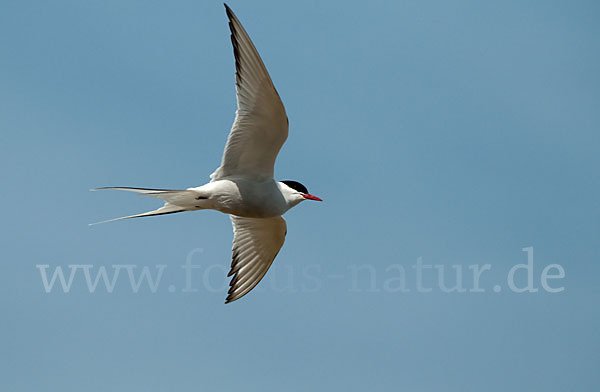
{"x":256,"y":242}
{"x":260,"y":127}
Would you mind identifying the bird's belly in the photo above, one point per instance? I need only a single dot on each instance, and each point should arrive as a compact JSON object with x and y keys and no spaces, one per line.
{"x":252,"y":200}
{"x":252,"y":210}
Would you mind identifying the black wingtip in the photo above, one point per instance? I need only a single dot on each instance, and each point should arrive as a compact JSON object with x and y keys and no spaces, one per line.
{"x":228,"y":10}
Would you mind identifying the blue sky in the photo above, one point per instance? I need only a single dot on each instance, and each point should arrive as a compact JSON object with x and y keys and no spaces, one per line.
{"x":454,"y":132}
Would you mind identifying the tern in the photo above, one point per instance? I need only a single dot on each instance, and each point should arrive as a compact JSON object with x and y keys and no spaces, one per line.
{"x":243,"y":186}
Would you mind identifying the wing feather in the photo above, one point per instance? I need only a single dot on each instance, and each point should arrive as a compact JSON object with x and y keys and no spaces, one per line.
{"x":256,"y":243}
{"x":260,"y":127}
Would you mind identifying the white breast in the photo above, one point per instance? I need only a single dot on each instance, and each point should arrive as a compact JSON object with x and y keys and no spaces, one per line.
{"x":245,"y":198}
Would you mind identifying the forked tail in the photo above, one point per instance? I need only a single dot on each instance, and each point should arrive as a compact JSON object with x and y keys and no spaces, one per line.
{"x":175,"y":201}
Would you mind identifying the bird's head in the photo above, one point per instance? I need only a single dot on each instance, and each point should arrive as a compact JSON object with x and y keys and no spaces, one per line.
{"x":294,"y":192}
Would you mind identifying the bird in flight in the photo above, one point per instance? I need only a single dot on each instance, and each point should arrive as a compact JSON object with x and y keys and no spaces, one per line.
{"x":243,"y":186}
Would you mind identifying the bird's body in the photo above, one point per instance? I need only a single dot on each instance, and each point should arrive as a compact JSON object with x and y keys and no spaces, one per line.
{"x":243,"y":185}
{"x":246,"y":198}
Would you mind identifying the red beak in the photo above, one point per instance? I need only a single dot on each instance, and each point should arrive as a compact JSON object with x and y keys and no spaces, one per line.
{"x":310,"y":197}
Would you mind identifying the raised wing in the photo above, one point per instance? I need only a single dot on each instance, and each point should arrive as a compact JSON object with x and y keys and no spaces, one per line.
{"x":256,"y":242}
{"x":261,"y":126}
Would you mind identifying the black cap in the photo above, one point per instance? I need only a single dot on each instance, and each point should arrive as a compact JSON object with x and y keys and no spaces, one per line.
{"x":296,"y":186}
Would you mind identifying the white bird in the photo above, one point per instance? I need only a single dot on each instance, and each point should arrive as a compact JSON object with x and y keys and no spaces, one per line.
{"x":243,"y":186}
